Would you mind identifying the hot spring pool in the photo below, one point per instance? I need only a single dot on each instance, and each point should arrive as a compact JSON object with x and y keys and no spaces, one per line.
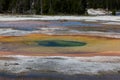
{"x":60,"y":43}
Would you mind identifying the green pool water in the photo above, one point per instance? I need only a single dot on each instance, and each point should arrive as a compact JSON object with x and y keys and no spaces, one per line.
{"x":60,"y":43}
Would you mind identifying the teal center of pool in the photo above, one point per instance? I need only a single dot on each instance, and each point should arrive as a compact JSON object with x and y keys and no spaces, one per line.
{"x":60,"y":43}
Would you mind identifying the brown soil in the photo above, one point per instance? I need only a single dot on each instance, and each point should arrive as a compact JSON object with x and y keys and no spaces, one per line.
{"x":59,"y":54}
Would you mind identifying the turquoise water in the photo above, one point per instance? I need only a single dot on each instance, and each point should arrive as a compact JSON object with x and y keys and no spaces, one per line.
{"x":60,"y":43}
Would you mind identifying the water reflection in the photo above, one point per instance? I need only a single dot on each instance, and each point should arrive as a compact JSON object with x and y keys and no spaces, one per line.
{"x":56,"y":76}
